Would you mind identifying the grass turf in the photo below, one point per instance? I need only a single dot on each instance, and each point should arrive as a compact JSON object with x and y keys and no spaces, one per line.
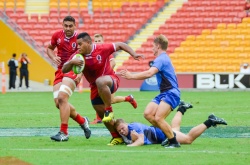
{"x":24,"y":110}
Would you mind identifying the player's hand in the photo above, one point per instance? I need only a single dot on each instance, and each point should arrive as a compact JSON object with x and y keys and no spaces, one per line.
{"x":77,"y":62}
{"x":78,"y":78}
{"x":138,"y":56}
{"x":125,"y":74}
{"x":56,"y":60}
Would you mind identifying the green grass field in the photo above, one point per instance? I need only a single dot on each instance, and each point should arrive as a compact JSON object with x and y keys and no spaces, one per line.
{"x":25,"y":114}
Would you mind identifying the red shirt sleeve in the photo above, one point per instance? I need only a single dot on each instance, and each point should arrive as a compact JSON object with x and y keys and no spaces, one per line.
{"x":108,"y":49}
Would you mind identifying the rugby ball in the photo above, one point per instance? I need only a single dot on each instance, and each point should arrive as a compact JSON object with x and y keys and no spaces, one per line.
{"x":78,"y":69}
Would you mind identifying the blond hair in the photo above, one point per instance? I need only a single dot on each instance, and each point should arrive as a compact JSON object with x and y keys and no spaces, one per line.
{"x":98,"y":35}
{"x":118,"y":122}
{"x":162,"y":41}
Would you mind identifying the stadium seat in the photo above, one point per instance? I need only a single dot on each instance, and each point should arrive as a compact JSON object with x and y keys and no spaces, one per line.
{"x":20,"y":4}
{"x":83,"y":4}
{"x":221,"y":26}
{"x":53,"y":5}
{"x":10,"y":5}
{"x":63,"y":5}
{"x":73,"y":5}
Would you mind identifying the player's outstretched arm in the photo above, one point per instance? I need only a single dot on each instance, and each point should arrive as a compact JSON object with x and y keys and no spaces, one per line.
{"x":128,"y":49}
{"x":137,"y":139}
{"x":140,"y":75}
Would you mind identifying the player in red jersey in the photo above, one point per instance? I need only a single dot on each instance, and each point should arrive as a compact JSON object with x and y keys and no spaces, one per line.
{"x":65,"y":42}
{"x":101,"y":77}
{"x":98,"y":38}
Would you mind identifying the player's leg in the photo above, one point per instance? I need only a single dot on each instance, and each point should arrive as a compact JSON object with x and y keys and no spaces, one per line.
{"x":67,"y":110}
{"x":105,"y":86}
{"x":163,"y":110}
{"x":118,"y":99}
{"x":82,"y":121}
{"x":150,"y":111}
{"x":168,"y":101}
{"x":98,"y":119}
{"x":176,"y":121}
{"x":99,"y":107}
{"x":56,"y":88}
{"x":196,"y":131}
{"x":64,"y":92}
{"x":56,"y":85}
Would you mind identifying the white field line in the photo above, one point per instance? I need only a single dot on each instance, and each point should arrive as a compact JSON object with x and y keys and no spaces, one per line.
{"x":127,"y":151}
{"x":35,"y":113}
{"x":136,"y":113}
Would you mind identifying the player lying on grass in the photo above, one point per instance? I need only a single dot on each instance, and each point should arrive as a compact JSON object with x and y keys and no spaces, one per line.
{"x":137,"y":134}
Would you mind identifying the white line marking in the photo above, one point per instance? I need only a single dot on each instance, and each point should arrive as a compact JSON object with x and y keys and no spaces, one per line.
{"x":127,"y":151}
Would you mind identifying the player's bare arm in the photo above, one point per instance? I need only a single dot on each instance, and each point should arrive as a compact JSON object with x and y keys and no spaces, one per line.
{"x":128,"y":49}
{"x":112,"y":63}
{"x":78,"y":78}
{"x":68,"y":65}
{"x":137,"y":139}
{"x":139,"y":76}
{"x":55,"y":59}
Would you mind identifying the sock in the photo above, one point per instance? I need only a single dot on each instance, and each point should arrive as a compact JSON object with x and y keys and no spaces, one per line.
{"x":64,"y":128}
{"x":115,"y":134}
{"x":127,"y":98}
{"x":182,"y":110}
{"x":79,"y":119}
{"x":173,"y":140}
{"x":109,"y":109}
{"x":97,"y":117}
{"x":208,"y":123}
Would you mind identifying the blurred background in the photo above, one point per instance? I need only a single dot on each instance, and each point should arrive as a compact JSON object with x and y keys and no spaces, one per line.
{"x":209,"y":40}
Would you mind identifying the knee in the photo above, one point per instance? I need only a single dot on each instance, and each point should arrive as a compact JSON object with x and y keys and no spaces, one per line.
{"x":148,"y":116}
{"x":189,"y":140}
{"x":158,"y":119}
{"x":113,"y":100}
{"x":57,"y":104}
{"x":61,"y":99}
{"x":99,"y":82}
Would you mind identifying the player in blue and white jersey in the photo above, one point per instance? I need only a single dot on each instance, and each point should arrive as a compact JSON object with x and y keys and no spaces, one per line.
{"x":137,"y":134}
{"x":168,"y":99}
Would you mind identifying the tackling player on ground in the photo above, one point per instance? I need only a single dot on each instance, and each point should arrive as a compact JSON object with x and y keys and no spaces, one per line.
{"x":137,"y":134}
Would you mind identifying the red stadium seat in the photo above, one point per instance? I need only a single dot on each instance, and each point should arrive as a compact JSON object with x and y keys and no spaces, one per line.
{"x":19,"y":10}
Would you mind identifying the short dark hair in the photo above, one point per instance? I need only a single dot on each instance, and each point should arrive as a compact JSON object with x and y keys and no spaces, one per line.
{"x":85,"y":36}
{"x":70,"y":19}
{"x":14,"y":55}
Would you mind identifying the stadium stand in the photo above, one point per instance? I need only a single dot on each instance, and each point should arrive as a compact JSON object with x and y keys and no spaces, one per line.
{"x":204,"y":36}
{"x":203,"y":33}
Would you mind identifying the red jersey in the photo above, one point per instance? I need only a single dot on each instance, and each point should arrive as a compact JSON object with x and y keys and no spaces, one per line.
{"x":97,"y":62}
{"x":66,"y":46}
